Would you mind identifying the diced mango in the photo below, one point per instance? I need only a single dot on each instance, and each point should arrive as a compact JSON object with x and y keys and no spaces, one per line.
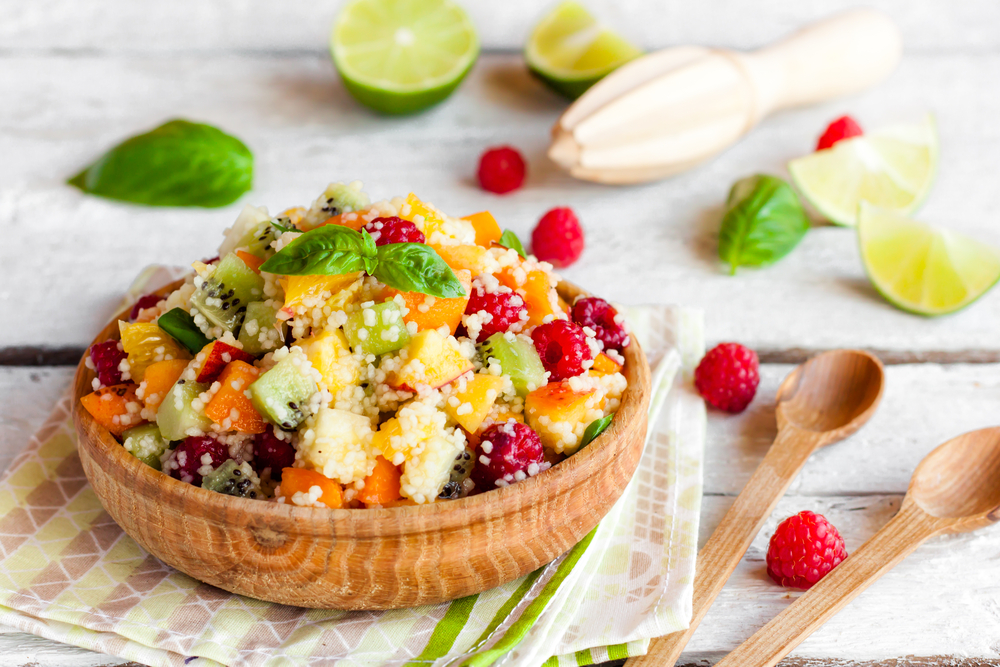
{"x":536,"y":289}
{"x":555,"y":411}
{"x":146,"y":343}
{"x":605,"y":365}
{"x":116,"y":408}
{"x":158,"y":380}
{"x":432,"y":359}
{"x":300,"y":480}
{"x":299,"y":289}
{"x":230,"y":407}
{"x":470,"y":407}
{"x":429,"y":312}
{"x":382,"y":486}
{"x":487,"y":229}
{"x":330,"y":354}
{"x":253,"y":261}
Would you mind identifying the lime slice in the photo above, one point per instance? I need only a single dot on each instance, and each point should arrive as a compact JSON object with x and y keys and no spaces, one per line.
{"x":570,"y":51}
{"x":892,"y":168}
{"x":923,"y":269}
{"x":402,"y":56}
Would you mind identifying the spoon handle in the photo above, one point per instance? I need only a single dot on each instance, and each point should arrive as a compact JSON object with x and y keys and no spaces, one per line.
{"x":724,"y":549}
{"x":897,"y":539}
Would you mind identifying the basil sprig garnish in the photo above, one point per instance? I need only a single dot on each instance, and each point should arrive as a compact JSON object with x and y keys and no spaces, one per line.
{"x":595,"y":428}
{"x":179,"y":163}
{"x":335,"y":250}
{"x":764,"y":220}
{"x":509,"y":240}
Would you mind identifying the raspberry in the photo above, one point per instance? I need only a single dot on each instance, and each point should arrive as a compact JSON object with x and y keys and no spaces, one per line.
{"x":147,"y":301}
{"x":558,"y":238}
{"x":600,"y":316}
{"x":506,"y":310}
{"x":270,"y":452}
{"x":394,"y":230}
{"x":803,"y":550}
{"x":501,"y":169}
{"x":563,"y":348}
{"x":106,"y":357}
{"x":190,"y":455}
{"x":507,"y":453}
{"x":844,"y":127}
{"x":727,"y":376}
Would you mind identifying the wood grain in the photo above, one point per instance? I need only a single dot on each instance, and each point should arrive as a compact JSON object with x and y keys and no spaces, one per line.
{"x":367,"y":559}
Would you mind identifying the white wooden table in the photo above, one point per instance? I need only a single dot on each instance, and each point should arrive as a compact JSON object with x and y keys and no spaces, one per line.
{"x":78,"y":75}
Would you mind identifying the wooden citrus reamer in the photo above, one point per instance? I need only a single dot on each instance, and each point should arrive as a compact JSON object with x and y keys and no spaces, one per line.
{"x":953,"y":490}
{"x":667,"y":111}
{"x":821,"y":402}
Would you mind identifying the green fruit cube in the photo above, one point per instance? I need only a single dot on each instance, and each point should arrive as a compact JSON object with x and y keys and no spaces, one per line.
{"x":377,"y":329}
{"x":518,"y":359}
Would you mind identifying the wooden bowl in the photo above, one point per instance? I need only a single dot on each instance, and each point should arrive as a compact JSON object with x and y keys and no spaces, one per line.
{"x":367,"y":558}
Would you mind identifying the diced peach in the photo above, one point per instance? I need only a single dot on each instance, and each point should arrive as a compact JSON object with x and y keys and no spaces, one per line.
{"x":535,"y":288}
{"x":116,"y":408}
{"x":487,"y":229}
{"x":552,"y":408}
{"x":158,"y":380}
{"x":432,"y":360}
{"x":298,"y":289}
{"x":214,"y":357}
{"x":253,"y":261}
{"x":300,"y":480}
{"x":429,"y":312}
{"x":382,"y":486}
{"x":472,"y":258}
{"x":475,"y":401}
{"x":605,"y":365}
{"x":230,"y":407}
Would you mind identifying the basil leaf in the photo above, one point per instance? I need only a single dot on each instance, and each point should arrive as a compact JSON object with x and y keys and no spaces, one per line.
{"x":415,"y":267}
{"x":369,"y":251}
{"x":325,"y":251}
{"x":594,"y":429}
{"x":178,"y":164}
{"x":764,"y":220}
{"x":509,"y":240}
{"x":179,"y":325}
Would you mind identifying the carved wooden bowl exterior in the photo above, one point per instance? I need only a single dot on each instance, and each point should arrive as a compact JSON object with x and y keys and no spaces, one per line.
{"x":367,"y":558}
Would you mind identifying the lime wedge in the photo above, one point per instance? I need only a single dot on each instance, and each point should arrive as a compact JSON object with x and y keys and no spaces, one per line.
{"x":892,"y":168}
{"x":402,"y":56}
{"x":923,"y":269}
{"x":570,"y":51}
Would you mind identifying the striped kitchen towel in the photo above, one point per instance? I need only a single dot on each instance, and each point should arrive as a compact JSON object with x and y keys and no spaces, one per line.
{"x":68,"y":572}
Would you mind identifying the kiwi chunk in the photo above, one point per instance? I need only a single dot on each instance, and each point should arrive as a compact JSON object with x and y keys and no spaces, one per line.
{"x":517,"y":358}
{"x":233,"y":479}
{"x":175,"y":415}
{"x":258,"y":239}
{"x":281,"y":394}
{"x":377,"y":329}
{"x":223,"y":296}
{"x":458,"y":485}
{"x":258,"y":333}
{"x":340,"y":198}
{"x":146,"y":443}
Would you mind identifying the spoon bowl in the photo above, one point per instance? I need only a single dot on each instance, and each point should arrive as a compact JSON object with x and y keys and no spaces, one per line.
{"x":833,"y":394}
{"x":959,"y":481}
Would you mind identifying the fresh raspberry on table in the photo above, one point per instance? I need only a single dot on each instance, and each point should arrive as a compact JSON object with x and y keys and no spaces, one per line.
{"x":558,"y":238}
{"x":601,"y":316}
{"x":106,"y":357}
{"x":501,"y":170}
{"x":803,"y":550}
{"x":271,"y":452}
{"x":193,"y":454}
{"x":727,"y":377}
{"x":844,"y":127}
{"x":507,"y":453}
{"x":505,"y":309}
{"x":562,"y":345}
{"x":146,"y":301}
{"x":394,"y":230}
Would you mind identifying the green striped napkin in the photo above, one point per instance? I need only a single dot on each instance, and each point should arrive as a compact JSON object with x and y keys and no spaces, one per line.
{"x":67,"y":572}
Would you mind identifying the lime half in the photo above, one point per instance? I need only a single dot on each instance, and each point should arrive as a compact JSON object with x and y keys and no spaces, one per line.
{"x":892,"y":168}
{"x":570,"y":51}
{"x":923,"y":269}
{"x":402,"y":56}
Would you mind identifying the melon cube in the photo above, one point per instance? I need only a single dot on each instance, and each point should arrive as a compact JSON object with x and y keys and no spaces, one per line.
{"x":471,"y":406}
{"x":432,"y":359}
{"x":338,"y":443}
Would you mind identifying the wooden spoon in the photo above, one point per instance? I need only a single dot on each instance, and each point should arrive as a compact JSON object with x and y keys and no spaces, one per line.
{"x":821,"y":402}
{"x":953,"y":490}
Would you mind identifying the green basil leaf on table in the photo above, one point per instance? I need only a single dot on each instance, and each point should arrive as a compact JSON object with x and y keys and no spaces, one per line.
{"x":595,"y":428}
{"x":328,"y":250}
{"x":509,"y":240}
{"x":179,"y":325}
{"x":764,"y":221}
{"x":179,"y":163}
{"x":415,"y":267}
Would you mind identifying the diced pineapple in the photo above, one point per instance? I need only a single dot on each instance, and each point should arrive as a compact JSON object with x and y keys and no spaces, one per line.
{"x":311,"y":291}
{"x":400,"y":437}
{"x":338,"y":443}
{"x":432,"y":360}
{"x":330,"y":354}
{"x":471,"y":406}
{"x":427,"y":471}
{"x":560,"y":415}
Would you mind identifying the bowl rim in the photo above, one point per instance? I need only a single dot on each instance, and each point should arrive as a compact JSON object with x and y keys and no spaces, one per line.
{"x":442,"y":517}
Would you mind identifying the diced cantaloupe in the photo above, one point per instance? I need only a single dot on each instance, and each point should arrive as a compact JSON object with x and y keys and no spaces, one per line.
{"x":430,"y":312}
{"x":605,"y":365}
{"x":305,"y":290}
{"x":472,"y":405}
{"x":158,"y":380}
{"x":536,"y":289}
{"x":230,"y":407}
{"x":116,"y":408}
{"x":300,"y":480}
{"x":382,"y":486}
{"x":330,"y":354}
{"x":555,"y":411}
{"x":487,"y":229}
{"x":432,"y":359}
